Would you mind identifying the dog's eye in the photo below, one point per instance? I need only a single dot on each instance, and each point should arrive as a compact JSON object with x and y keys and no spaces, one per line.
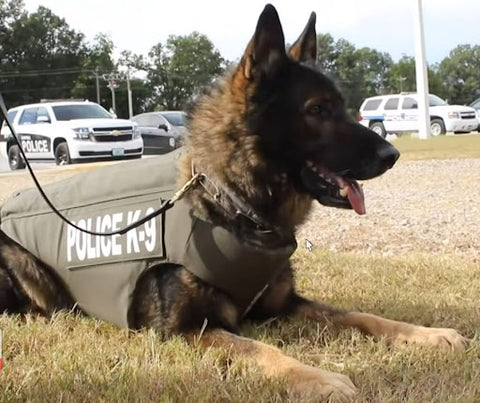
{"x":315,"y":109}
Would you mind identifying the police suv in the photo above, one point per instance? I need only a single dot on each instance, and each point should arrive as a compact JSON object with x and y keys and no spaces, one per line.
{"x":398,"y":113}
{"x":69,"y":131}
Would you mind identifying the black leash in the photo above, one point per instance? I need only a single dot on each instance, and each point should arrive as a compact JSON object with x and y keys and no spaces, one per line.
{"x":167,"y":204}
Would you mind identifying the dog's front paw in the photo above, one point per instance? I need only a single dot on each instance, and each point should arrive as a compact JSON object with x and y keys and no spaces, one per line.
{"x":435,"y":337}
{"x":333,"y":386}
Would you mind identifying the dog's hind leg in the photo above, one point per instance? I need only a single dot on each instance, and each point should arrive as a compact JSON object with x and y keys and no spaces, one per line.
{"x":273,"y":363}
{"x":27,"y":282}
{"x":393,"y":331}
{"x":12,"y":300}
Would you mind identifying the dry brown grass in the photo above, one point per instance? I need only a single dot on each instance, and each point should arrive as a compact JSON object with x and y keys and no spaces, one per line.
{"x":72,"y":358}
{"x":81,"y":359}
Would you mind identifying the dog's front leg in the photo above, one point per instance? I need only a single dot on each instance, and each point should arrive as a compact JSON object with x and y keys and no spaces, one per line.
{"x":273,"y":363}
{"x":393,"y":331}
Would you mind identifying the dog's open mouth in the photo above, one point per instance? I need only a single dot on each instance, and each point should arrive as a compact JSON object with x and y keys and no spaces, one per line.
{"x":333,"y":189}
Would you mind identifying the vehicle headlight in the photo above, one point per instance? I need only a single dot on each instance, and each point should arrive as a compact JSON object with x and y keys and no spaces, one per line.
{"x":171,"y":141}
{"x":82,"y":133}
{"x":453,"y":115}
{"x":136,"y":132}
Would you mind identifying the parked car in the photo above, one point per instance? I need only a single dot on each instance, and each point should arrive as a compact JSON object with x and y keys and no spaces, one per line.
{"x":398,"y":113}
{"x":162,"y":132}
{"x":476,"y":105}
{"x":69,"y":131}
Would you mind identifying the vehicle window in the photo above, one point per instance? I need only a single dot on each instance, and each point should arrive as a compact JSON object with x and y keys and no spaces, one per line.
{"x":29,"y":116}
{"x":141,"y":120}
{"x":433,"y":100}
{"x":11,"y":115}
{"x":80,"y":111}
{"x":156,"y":121}
{"x":43,"y":115}
{"x":392,"y":103}
{"x":409,"y":103}
{"x":175,"y":118}
{"x":372,"y":104}
{"x":149,"y":121}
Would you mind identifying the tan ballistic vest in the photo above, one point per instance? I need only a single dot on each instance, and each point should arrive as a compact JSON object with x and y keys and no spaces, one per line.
{"x":101,"y":272}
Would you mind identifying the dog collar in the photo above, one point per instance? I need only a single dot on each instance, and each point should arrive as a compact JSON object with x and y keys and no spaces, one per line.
{"x":232,"y":204}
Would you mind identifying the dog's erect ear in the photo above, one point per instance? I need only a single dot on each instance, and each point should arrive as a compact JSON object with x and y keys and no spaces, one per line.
{"x":266,"y":51}
{"x":305,"y":47}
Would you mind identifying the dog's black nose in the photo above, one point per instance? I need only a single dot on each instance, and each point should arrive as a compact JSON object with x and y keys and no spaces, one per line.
{"x":388,"y":154}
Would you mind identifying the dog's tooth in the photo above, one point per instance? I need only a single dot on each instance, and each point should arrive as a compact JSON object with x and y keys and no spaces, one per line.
{"x":343,"y":192}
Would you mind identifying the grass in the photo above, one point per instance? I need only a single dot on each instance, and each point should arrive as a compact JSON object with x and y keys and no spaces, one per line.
{"x":441,"y":147}
{"x":71,"y":359}
{"x":80,"y":359}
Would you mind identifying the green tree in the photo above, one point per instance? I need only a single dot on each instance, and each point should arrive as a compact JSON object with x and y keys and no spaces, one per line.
{"x":179,"y":68}
{"x":40,"y":55}
{"x":460,"y":74}
{"x":359,"y":73}
{"x":97,"y":62}
{"x":326,"y":53}
{"x":401,"y":77}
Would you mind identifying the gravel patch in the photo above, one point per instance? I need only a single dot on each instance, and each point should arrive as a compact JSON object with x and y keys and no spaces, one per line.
{"x":430,"y":206}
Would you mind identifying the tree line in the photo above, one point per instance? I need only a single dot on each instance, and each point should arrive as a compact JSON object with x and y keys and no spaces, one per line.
{"x":41,"y":57}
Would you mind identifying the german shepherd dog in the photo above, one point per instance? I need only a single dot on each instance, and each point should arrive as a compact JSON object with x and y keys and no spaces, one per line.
{"x":271,"y":137}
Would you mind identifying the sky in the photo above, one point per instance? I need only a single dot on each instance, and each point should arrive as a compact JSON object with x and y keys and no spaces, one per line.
{"x":384,"y":25}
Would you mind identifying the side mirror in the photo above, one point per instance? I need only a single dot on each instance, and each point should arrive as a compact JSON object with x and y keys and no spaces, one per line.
{"x":163,"y":126}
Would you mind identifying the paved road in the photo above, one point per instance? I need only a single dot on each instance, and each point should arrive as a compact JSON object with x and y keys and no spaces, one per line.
{"x":4,"y":168}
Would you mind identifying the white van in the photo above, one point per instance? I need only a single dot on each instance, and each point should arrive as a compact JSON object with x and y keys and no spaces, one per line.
{"x":398,"y":113}
{"x":69,"y":131}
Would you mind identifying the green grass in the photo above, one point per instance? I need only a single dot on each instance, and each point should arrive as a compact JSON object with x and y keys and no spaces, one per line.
{"x":442,"y":147}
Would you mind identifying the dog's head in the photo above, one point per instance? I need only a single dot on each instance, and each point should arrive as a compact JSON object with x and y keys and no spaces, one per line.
{"x":300,"y":118}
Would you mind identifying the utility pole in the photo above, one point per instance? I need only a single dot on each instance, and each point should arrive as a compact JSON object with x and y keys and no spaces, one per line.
{"x":97,"y":83}
{"x":129,"y":93}
{"x":421,"y":75}
{"x":112,"y":79}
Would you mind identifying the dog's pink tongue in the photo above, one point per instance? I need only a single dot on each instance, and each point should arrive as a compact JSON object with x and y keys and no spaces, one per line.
{"x":355,"y":197}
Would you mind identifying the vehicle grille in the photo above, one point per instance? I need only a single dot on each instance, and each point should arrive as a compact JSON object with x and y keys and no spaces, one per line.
{"x":109,"y":134}
{"x":107,"y":153}
{"x":467,"y":115}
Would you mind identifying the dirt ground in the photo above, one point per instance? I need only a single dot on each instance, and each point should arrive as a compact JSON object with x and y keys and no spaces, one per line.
{"x":428,"y":206}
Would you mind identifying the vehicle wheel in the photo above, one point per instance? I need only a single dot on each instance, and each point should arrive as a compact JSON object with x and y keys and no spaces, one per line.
{"x":379,"y":128}
{"x":15,"y":159}
{"x":437,"y":127}
{"x":62,"y":156}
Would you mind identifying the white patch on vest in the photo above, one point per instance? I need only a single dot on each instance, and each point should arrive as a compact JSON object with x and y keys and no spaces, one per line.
{"x":84,"y":247}
{"x":132,"y":236}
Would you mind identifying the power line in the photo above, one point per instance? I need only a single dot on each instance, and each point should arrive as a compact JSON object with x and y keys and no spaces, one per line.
{"x":44,"y":73}
{"x":33,"y":90}
{"x":60,"y":69}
